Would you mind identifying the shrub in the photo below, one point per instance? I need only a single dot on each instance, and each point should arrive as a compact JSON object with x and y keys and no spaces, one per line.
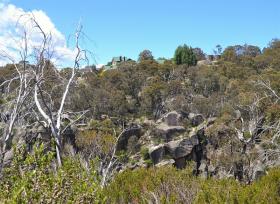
{"x":132,"y":144}
{"x":145,"y":153}
{"x":169,"y":185}
{"x":266,"y":190}
{"x":273,"y":113}
{"x":153,"y":183}
{"x":92,"y":141}
{"x":33,"y":179}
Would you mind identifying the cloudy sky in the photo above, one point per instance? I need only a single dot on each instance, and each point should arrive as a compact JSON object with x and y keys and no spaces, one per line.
{"x":126,"y":27}
{"x":14,"y":22}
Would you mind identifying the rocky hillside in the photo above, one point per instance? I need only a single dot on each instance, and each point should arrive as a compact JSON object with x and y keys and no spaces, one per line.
{"x":220,"y":118}
{"x":210,"y":147}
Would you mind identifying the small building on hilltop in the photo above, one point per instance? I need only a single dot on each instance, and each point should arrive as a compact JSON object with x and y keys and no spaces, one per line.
{"x":117,"y":60}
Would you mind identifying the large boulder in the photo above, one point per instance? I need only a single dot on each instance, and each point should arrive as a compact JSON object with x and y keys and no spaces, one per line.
{"x":187,"y":149}
{"x":167,"y":132}
{"x":157,"y":153}
{"x":172,"y":118}
{"x":181,"y":148}
{"x":168,"y":126}
{"x":180,"y":163}
{"x":134,"y":130}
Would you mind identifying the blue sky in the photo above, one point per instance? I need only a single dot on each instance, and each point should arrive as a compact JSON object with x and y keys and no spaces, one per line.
{"x":126,"y":27}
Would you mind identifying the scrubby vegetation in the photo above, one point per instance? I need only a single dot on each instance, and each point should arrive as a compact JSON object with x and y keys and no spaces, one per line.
{"x":168,"y":185}
{"x":121,"y":135}
{"x":33,"y":178}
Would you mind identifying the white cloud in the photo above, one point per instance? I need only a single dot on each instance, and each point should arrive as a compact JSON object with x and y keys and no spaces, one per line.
{"x":14,"y":21}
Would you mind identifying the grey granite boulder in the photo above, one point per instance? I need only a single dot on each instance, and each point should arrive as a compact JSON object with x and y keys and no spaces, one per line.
{"x":172,"y":118}
{"x":166,"y":132}
{"x":181,"y":148}
{"x":157,"y":153}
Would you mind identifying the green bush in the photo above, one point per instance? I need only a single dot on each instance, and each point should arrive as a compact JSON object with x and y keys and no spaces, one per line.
{"x":31,"y":178}
{"x":266,"y":190}
{"x":169,"y":185}
{"x":145,"y":153}
{"x":141,"y":185}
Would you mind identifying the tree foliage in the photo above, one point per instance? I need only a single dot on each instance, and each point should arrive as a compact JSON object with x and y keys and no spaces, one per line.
{"x":185,"y":55}
{"x":145,"y":55}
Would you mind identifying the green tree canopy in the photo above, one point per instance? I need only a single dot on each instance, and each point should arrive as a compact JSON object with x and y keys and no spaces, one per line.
{"x":185,"y":55}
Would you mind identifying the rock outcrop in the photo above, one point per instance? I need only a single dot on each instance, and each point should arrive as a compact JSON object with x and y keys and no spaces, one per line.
{"x":167,"y":132}
{"x":169,"y":126}
{"x":180,"y":144}
{"x":213,"y":147}
{"x":172,"y":118}
{"x":157,"y":153}
{"x":181,"y":148}
{"x":133,"y":130}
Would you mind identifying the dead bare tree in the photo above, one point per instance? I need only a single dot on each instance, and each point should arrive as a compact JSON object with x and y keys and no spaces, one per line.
{"x":31,"y":80}
{"x":19,"y":95}
{"x":270,"y":92}
{"x":253,"y":121}
{"x":107,"y":168}
{"x":53,"y":120}
{"x":275,"y":99}
{"x":271,"y":156}
{"x":257,"y":127}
